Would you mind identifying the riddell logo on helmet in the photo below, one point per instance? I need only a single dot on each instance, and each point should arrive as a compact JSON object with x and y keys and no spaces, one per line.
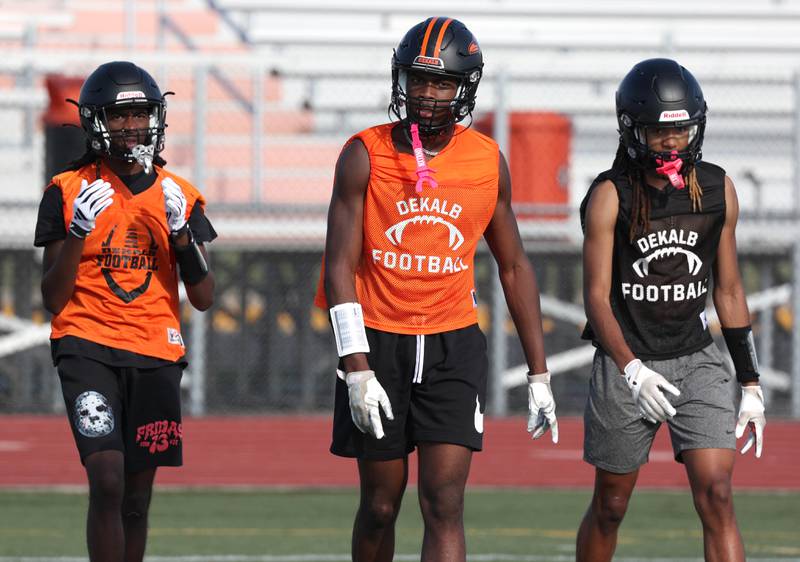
{"x":680,"y":115}
{"x":130,"y":95}
{"x":429,"y":61}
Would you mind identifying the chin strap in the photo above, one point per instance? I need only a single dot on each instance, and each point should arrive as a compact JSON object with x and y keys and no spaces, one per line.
{"x":671,"y":169}
{"x":424,"y":172}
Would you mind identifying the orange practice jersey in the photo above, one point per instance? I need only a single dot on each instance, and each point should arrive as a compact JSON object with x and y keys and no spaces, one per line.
{"x":126,"y":290}
{"x":416,"y":270}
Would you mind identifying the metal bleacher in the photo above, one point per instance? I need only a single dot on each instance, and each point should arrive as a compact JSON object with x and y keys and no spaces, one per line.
{"x":42,"y":38}
{"x":565,"y":56}
{"x":321,"y":72}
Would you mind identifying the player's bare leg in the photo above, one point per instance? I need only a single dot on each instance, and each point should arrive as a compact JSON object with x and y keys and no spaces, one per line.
{"x":443,"y":471}
{"x":597,"y":536}
{"x":105,"y":537}
{"x":382,"y":487}
{"x":710,"y":472}
{"x":135,"y":505}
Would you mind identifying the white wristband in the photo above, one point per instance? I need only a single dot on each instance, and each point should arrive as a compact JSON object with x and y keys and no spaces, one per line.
{"x":348,"y":329}
{"x":540,"y":377}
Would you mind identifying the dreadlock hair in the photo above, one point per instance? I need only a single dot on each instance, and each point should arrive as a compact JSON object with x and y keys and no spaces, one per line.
{"x":90,"y":157}
{"x":640,"y":208}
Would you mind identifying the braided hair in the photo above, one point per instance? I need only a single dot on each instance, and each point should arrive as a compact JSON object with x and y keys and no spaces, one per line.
{"x":640,"y":207}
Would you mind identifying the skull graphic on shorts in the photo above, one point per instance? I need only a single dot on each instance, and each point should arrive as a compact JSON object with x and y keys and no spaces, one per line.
{"x":93,"y":415}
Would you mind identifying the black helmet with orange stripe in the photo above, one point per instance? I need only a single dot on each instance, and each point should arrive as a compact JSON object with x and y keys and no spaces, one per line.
{"x":440,"y":46}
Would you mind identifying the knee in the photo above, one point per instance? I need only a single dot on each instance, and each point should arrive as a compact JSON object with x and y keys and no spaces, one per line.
{"x":106,"y":490}
{"x":714,"y":499}
{"x":135,"y":506}
{"x":443,"y":504}
{"x":379,"y":512}
{"x":609,"y":509}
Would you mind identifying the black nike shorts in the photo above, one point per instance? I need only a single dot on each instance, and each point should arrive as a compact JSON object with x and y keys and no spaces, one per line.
{"x":437,"y":387}
{"x":136,"y":411}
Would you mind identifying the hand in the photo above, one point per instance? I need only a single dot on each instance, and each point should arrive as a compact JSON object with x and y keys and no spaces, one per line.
{"x":92,"y":199}
{"x":646,"y":386}
{"x":366,"y":396}
{"x":175,"y":203}
{"x":541,"y":407}
{"x":751,"y":412}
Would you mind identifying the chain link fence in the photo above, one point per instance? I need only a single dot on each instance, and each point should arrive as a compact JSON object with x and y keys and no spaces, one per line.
{"x":261,"y":140}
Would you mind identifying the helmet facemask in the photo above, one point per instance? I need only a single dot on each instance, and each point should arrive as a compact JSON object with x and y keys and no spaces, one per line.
{"x":444,"y":113}
{"x":633,"y":135}
{"x":150,"y":140}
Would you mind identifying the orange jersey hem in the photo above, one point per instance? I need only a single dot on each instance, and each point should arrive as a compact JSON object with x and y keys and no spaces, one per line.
{"x":145,"y":350}
{"x":420,"y":331}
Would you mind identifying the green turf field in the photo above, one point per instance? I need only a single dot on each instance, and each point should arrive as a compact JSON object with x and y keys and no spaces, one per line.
{"x":309,"y":525}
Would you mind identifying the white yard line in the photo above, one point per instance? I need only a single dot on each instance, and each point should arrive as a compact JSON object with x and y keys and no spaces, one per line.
{"x":346,"y":558}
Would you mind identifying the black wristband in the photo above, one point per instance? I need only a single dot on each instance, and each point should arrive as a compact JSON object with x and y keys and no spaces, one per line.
{"x":191,"y":263}
{"x":180,"y":232}
{"x":77,"y":231}
{"x":743,"y":352}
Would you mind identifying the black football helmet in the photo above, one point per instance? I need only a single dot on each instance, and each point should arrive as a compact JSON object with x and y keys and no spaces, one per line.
{"x":122,"y":84}
{"x":443,"y":46}
{"x":660,"y":93}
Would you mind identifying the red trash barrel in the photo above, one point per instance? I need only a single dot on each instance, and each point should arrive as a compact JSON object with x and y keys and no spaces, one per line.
{"x":538,"y":157}
{"x":62,"y":144}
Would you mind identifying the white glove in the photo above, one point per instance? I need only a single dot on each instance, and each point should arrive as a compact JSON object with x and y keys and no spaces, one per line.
{"x":646,"y":386}
{"x":541,"y":407}
{"x":366,"y":396}
{"x":175,"y":204}
{"x":751,"y":412}
{"x":92,"y":199}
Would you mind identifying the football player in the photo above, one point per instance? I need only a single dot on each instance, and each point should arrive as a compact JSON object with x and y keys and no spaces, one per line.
{"x":119,"y":231}
{"x":658,"y":225}
{"x":411,"y":200}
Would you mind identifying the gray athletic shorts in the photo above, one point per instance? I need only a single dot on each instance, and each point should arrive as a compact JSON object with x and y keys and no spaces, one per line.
{"x":617,"y":438}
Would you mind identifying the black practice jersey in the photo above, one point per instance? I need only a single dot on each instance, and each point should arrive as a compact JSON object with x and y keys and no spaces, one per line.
{"x":660,"y":280}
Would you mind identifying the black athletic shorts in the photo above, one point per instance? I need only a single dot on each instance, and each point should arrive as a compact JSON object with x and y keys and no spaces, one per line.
{"x":437,"y":387}
{"x":136,"y":411}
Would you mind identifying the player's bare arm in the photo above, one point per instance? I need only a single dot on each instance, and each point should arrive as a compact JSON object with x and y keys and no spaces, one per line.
{"x":729,"y":297}
{"x":598,"y":247}
{"x":734,"y":316}
{"x":59,"y":269}
{"x":516,"y":274}
{"x":345,"y":231}
{"x":522,"y":297}
{"x":342,"y":255}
